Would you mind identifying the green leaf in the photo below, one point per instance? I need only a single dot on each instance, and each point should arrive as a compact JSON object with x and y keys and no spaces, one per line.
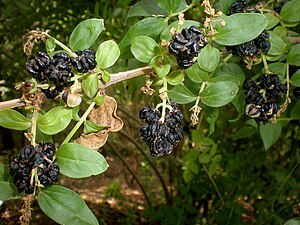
{"x":99,"y":100}
{"x":295,"y":112}
{"x":277,"y":44}
{"x":221,"y":78}
{"x":293,"y":57}
{"x":290,"y":11}
{"x":65,"y":206}
{"x":55,"y":120}
{"x":269,"y":133}
{"x":294,"y":221}
{"x":144,"y":48}
{"x":75,"y":111}
{"x":90,"y":85}
{"x":235,"y":70}
{"x":167,"y":35}
{"x":8,"y":190}
{"x":209,"y":58}
{"x":162,"y":66}
{"x":272,"y":20}
{"x":145,"y":8}
{"x":295,"y":79}
{"x":90,"y":127}
{"x":211,"y":116}
{"x":181,"y":94}
{"x":238,"y":29}
{"x":50,"y":45}
{"x":244,"y":132}
{"x":105,"y":76}
{"x":14,"y":120}
{"x":151,"y":27}
{"x":196,"y":74}
{"x":175,"y":77}
{"x":85,"y":34}
{"x":239,"y":104}
{"x":107,"y":54}
{"x":278,"y":68}
{"x":219,"y":94}
{"x":204,"y":158}
{"x":41,"y":137}
{"x":169,"y":6}
{"x":78,"y":161}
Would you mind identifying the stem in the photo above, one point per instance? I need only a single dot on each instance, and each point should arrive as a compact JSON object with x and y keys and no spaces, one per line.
{"x":121,"y":76}
{"x":131,"y":172}
{"x":214,"y":184}
{"x":164,"y":97}
{"x":11,"y":104}
{"x":267,"y":71}
{"x":114,"y":79}
{"x":284,"y":183}
{"x":140,"y":148}
{"x":33,"y":127}
{"x":227,"y":58}
{"x":63,"y":46}
{"x":79,"y":123}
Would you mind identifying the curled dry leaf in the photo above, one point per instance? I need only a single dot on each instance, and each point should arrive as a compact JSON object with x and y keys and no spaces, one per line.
{"x":104,"y":115}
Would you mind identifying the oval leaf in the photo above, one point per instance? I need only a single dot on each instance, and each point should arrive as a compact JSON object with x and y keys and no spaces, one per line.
{"x":295,"y":80}
{"x":219,"y":94}
{"x":8,"y":190}
{"x":294,"y":221}
{"x":290,"y":11}
{"x":277,"y":44}
{"x":293,"y":57}
{"x":269,"y":134}
{"x":238,"y":29}
{"x":151,"y":27}
{"x":181,"y":94}
{"x":175,"y":77}
{"x":90,"y":85}
{"x":272,"y":20}
{"x":196,"y":74}
{"x":145,"y":8}
{"x":209,"y":58}
{"x":85,"y":34}
{"x":65,"y":206}
{"x":144,"y":48}
{"x":78,"y":161}
{"x":162,"y":66}
{"x":90,"y":127}
{"x":107,"y":54}
{"x":169,"y":6}
{"x":14,"y":120}
{"x":55,"y":120}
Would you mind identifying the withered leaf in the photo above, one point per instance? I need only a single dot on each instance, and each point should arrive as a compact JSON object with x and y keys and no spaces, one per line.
{"x":104,"y":115}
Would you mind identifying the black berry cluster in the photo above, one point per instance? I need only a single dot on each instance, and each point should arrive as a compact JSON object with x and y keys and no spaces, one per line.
{"x":240,"y":6}
{"x":161,"y":137}
{"x":39,"y":157}
{"x":57,"y":71}
{"x":85,"y":61}
{"x":263,"y":97}
{"x":186,"y":45}
{"x":254,"y":47}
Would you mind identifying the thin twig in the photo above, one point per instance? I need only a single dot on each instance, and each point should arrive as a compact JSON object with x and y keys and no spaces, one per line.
{"x":131,"y":172}
{"x":11,"y":103}
{"x":140,"y":148}
{"x":121,"y":76}
{"x":214,"y":184}
{"x":114,"y":79}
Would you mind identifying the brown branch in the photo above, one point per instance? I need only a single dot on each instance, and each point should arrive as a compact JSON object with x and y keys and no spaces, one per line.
{"x":121,"y":76}
{"x":114,"y":78}
{"x":11,"y":103}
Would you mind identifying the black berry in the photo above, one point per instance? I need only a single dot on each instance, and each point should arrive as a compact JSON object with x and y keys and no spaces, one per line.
{"x":186,"y":45}
{"x":85,"y":61}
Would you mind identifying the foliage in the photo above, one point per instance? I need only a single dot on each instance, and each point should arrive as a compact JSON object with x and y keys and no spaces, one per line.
{"x":231,"y":168}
